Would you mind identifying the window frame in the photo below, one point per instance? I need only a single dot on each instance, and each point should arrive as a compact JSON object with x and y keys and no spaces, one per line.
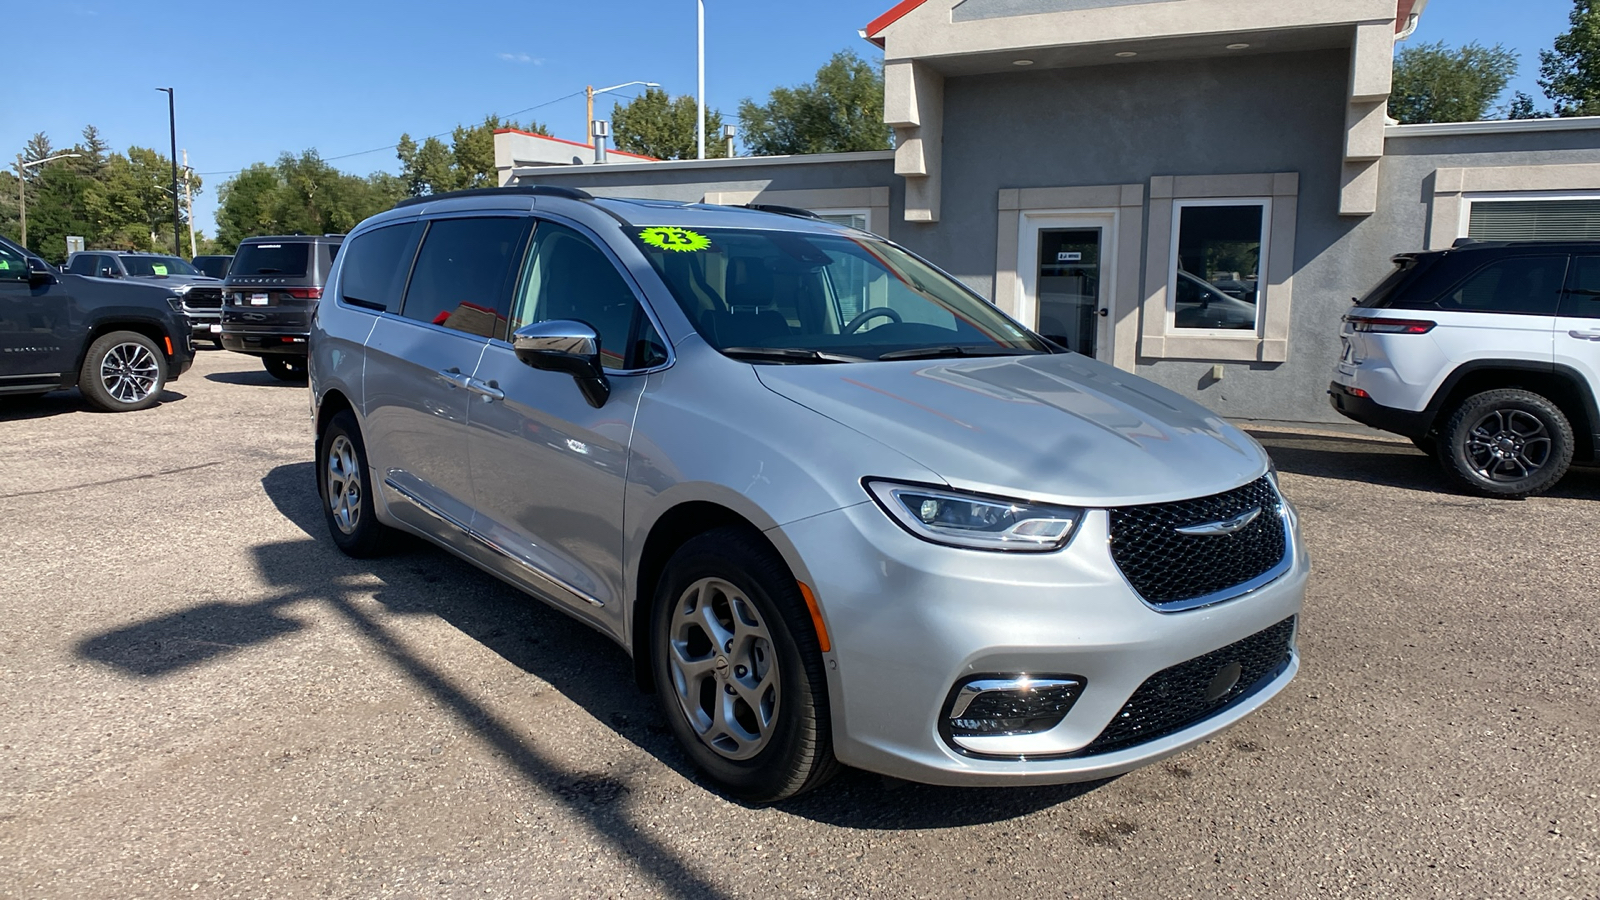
{"x":611,"y":255}
{"x":1471,"y":199}
{"x":1265,"y":260}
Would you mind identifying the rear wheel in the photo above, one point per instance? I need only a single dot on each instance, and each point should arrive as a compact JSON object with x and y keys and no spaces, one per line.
{"x":122,"y":372}
{"x":1428,"y":445}
{"x":1507,"y":443}
{"x":346,"y":494}
{"x":285,"y":368}
{"x":738,"y":668}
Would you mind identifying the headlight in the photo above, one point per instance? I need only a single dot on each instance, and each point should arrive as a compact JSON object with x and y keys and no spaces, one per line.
{"x":176,"y":303}
{"x":975,"y":521}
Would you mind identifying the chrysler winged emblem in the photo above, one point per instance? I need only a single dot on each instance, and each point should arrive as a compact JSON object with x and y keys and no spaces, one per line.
{"x":1225,"y":526}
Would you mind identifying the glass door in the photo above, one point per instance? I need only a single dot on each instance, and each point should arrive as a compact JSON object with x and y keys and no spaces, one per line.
{"x":1068,"y":287}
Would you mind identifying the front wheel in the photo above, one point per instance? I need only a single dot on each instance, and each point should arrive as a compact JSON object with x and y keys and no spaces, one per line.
{"x":285,"y":368}
{"x":122,"y":372}
{"x":1508,"y":443}
{"x":738,"y":668}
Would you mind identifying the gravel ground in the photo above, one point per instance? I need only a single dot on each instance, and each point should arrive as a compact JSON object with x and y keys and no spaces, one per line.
{"x":199,"y":696}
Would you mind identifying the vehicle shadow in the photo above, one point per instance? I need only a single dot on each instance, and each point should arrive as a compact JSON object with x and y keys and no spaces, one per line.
{"x":60,"y":403}
{"x":254,"y":378}
{"x":1388,"y":463}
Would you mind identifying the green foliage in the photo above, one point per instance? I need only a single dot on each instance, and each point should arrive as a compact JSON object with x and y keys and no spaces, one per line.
{"x":1570,"y":74}
{"x":114,"y":201}
{"x":841,"y":111}
{"x":656,"y":126}
{"x":433,"y":166}
{"x":299,"y":194}
{"x":1435,"y":84}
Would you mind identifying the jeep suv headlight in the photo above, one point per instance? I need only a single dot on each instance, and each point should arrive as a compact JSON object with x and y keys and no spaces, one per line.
{"x":176,"y":303}
{"x":960,"y":519}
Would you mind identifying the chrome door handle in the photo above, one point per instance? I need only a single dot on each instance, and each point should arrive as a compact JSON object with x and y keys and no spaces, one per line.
{"x":489,"y":391}
{"x":454,"y":376}
{"x":1585,"y":335}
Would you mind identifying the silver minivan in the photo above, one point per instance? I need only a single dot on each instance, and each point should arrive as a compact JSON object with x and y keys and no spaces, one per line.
{"x":838,"y":508}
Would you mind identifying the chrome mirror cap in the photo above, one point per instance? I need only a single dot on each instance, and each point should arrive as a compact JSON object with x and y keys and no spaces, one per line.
{"x":565,"y":345}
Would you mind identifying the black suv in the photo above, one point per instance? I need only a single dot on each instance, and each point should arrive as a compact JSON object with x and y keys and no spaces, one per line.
{"x":118,"y":342}
{"x":201,"y":294}
{"x":270,"y":292}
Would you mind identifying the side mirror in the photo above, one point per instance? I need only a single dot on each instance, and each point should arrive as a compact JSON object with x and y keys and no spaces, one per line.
{"x":565,"y":345}
{"x":38,"y":278}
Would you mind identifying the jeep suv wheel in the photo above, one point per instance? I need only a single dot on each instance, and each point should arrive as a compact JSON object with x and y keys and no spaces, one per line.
{"x":123,"y":371}
{"x":285,"y":368}
{"x":1507,"y":443}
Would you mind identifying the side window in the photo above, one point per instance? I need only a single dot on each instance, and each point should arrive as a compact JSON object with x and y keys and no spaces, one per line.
{"x":13,"y":265}
{"x":567,"y":277}
{"x":82,"y":264}
{"x":460,"y":277}
{"x":1524,"y":285}
{"x":1582,"y":299}
{"x":376,"y":265}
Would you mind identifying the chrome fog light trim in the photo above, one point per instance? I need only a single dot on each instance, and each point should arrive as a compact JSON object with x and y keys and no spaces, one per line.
{"x":990,"y":705}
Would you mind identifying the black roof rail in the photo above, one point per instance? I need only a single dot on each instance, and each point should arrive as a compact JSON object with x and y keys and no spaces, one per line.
{"x":1465,"y":242}
{"x":532,"y":190}
{"x":783,"y":210}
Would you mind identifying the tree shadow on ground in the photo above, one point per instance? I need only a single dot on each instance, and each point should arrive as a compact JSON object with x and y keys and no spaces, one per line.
{"x":1388,"y":463}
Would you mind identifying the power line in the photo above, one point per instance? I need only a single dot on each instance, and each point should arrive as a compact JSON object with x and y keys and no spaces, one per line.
{"x":396,"y":144}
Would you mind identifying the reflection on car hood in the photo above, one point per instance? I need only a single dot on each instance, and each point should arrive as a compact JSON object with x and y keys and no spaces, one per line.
{"x":1060,"y":427}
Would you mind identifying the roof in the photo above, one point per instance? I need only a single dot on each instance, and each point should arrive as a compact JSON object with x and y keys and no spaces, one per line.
{"x":639,"y":213}
{"x":874,"y":30}
{"x":545,"y":137}
{"x":292,"y":238}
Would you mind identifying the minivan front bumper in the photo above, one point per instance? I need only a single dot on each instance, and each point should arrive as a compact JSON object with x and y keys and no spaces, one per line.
{"x":909,"y":621}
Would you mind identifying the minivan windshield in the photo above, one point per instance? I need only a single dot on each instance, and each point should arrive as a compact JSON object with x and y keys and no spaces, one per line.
{"x":288,"y":259}
{"x":794,"y":297}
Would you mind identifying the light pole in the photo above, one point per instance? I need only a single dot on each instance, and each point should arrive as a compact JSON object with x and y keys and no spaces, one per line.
{"x":22,"y":193}
{"x":591,"y":93}
{"x":172,"y":125}
{"x":700,"y":94}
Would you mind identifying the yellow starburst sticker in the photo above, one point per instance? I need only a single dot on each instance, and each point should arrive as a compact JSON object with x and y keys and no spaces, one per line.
{"x":681,"y":240}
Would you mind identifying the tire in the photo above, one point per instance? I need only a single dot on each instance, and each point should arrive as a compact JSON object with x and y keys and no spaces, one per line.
{"x":1507,"y":443}
{"x":285,"y":368}
{"x":774,"y":658}
{"x":122,"y":372}
{"x":342,"y":483}
{"x":216,"y":343}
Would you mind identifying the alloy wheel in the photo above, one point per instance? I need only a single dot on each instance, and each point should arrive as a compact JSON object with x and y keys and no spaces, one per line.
{"x":344,"y":485}
{"x":1508,"y":445}
{"x":129,"y":372}
{"x":724,"y":668}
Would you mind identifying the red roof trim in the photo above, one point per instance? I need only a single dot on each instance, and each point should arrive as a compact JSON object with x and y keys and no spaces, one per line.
{"x":546,"y":137}
{"x":889,"y":18}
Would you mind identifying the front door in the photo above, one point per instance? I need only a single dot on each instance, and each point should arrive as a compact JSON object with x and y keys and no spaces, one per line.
{"x":36,"y":346}
{"x":1066,"y":275}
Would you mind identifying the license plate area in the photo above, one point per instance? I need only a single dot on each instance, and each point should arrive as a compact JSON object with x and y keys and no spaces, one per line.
{"x":260,"y":299}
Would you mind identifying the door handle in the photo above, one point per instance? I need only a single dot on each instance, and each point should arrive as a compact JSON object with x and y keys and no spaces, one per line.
{"x":488,"y":390}
{"x":1585,"y":335}
{"x":453,"y":376}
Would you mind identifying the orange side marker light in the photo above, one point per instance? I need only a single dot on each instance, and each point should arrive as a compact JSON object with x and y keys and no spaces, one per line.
{"x":816,"y":617}
{"x":169,"y":344}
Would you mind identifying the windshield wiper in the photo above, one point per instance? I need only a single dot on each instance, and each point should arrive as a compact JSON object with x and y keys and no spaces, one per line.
{"x":948,"y":351}
{"x":788,"y":355}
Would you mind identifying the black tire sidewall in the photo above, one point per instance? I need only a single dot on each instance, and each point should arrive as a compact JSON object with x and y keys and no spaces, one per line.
{"x":1453,"y":451}
{"x":93,"y":386}
{"x":370,"y":535}
{"x":774,"y":773}
{"x":285,"y":368}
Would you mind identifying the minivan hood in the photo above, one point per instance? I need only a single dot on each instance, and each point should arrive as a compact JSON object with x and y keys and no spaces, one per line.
{"x":1060,"y":427}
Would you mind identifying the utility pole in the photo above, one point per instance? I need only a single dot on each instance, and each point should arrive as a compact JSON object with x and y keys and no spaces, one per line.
{"x":172,"y":124}
{"x":588,"y":119}
{"x":700,"y":126}
{"x":22,"y":200}
{"x":189,"y":204}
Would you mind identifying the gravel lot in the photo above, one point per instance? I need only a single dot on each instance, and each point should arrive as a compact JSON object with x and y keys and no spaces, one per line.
{"x":199,"y":696}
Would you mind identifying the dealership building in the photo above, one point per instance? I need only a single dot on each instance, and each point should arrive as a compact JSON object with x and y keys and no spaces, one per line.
{"x":1190,"y":190}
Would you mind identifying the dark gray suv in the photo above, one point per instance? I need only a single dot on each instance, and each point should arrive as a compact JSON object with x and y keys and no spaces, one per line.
{"x":272,"y":287}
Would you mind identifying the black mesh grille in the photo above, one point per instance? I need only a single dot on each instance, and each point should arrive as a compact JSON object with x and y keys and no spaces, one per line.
{"x":203,"y":298}
{"x":1167,"y":567}
{"x":1175,"y":697}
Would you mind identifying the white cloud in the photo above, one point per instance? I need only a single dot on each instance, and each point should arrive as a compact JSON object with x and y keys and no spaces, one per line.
{"x":523,"y":58}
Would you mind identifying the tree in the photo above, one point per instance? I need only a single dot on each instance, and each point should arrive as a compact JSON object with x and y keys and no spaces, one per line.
{"x":299,"y":194}
{"x":466,"y":162}
{"x":653,"y":125}
{"x":1570,"y":74}
{"x":840,"y":111}
{"x":1521,"y":107}
{"x":1435,"y":84}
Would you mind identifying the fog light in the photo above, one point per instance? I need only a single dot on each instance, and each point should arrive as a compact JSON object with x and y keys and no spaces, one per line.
{"x":989,"y":705}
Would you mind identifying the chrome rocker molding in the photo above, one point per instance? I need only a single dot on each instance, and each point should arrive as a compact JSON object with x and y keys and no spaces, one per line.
{"x":485,"y":541}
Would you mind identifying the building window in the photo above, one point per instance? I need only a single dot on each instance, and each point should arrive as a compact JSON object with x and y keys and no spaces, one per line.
{"x":1523,"y":217}
{"x":851,"y":218}
{"x":1219,"y":251}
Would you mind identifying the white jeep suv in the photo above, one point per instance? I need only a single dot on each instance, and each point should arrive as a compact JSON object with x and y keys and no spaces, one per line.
{"x":1486,"y":355}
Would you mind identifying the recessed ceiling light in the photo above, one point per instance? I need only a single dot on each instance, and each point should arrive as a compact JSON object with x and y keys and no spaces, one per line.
{"x":1022,"y":62}
{"x":1127,"y":54}
{"x":1238,"y":46}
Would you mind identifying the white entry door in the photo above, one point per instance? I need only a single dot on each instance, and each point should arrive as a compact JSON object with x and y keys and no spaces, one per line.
{"x":1066,"y":263}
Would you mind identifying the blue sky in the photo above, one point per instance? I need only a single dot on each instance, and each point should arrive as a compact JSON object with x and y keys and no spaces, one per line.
{"x":346,"y":76}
